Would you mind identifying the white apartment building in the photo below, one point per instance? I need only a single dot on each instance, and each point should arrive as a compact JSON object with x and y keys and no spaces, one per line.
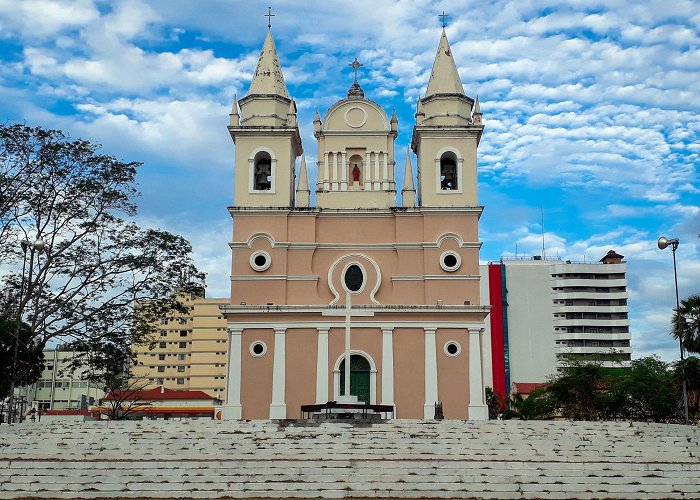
{"x":58,"y":388}
{"x":549,"y":312}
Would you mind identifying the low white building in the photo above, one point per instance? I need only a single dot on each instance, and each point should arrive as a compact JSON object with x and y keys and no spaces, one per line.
{"x":58,"y":388}
{"x":548,"y":312}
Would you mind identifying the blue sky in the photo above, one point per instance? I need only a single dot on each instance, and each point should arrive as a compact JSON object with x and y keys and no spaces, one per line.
{"x":591,"y":111}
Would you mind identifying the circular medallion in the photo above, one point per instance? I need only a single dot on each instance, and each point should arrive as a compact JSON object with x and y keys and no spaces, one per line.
{"x":355,"y":117}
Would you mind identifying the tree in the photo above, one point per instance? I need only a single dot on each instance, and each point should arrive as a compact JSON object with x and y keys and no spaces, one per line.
{"x":99,"y":265}
{"x":686,"y":323}
{"x":30,"y":358}
{"x":124,"y":397}
{"x":691,"y":368}
{"x":646,"y":391}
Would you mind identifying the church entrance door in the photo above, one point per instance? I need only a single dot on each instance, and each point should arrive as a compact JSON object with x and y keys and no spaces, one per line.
{"x":359,"y":378}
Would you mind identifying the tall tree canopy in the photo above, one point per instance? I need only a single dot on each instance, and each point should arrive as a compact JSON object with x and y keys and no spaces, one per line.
{"x":686,"y":323}
{"x":98,"y":265}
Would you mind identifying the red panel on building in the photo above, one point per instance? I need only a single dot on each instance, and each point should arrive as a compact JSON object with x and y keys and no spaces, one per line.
{"x":498,"y":361}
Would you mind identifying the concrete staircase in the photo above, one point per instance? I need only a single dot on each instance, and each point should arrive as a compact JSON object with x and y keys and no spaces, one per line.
{"x":399,"y":459}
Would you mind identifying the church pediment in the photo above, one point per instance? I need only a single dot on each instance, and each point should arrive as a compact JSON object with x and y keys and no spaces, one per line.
{"x":356,"y":115}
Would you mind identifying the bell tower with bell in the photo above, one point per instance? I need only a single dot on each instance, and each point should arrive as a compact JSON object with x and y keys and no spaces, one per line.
{"x":263,"y":125}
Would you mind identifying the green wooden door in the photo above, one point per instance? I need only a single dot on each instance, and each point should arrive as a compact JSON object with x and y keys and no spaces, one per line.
{"x":359,"y":378}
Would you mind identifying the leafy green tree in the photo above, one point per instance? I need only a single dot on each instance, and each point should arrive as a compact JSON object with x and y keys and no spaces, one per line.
{"x":686,"y":323}
{"x":538,"y":405}
{"x":98,"y":266}
{"x":576,"y":392}
{"x":647,"y":391}
{"x":30,"y":358}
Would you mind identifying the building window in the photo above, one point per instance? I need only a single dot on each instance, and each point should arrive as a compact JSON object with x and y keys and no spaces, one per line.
{"x":180,"y":381}
{"x":183,"y":321}
{"x":161,"y":357}
{"x":452,"y":348}
{"x":450,"y":261}
{"x":164,"y":321}
{"x":183,"y":345}
{"x":258,"y":348}
{"x":161,"y":345}
{"x":183,"y":333}
{"x":354,"y":278}
{"x":163,"y":333}
{"x":161,"y":369}
{"x":262,"y":180}
{"x":181,"y":369}
{"x":448,"y":172}
{"x":181,"y":357}
{"x":160,"y":381}
{"x":260,"y":261}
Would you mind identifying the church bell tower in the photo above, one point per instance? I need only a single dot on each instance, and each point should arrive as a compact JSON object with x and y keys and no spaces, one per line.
{"x":266,"y":135}
{"x":446,"y":136}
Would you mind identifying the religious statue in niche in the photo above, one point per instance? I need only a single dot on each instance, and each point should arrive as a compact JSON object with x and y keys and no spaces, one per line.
{"x":355,"y":174}
{"x":263,"y":175}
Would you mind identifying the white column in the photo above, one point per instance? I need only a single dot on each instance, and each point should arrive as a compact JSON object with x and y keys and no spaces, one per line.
{"x":367,"y":167}
{"x":343,"y":172}
{"x":385,"y":176}
{"x":278,"y":408}
{"x":335,"y":183}
{"x":431,"y":376}
{"x":326,"y":172}
{"x":322,"y":366}
{"x":377,"y":175}
{"x":477,"y":404}
{"x":387,"y":367}
{"x":233,"y":409}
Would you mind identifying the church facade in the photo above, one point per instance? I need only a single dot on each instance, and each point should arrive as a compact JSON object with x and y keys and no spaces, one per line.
{"x":393,"y":287}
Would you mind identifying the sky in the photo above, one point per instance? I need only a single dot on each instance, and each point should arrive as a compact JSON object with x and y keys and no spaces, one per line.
{"x":591,"y":112}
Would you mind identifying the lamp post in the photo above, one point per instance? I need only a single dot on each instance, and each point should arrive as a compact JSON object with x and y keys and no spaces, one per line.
{"x":38,"y":246}
{"x":664,"y":243}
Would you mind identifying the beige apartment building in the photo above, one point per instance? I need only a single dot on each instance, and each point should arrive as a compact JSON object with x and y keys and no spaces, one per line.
{"x":190,"y":350}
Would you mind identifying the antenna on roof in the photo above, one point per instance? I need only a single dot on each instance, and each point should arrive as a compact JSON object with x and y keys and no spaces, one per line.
{"x":544,"y":254}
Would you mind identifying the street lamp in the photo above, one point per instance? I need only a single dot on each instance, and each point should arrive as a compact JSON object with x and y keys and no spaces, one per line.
{"x":664,"y":243}
{"x":37,"y":246}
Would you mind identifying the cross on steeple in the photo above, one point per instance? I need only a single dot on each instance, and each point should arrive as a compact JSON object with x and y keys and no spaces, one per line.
{"x":356,"y":65}
{"x":269,"y":17}
{"x":443,"y":16}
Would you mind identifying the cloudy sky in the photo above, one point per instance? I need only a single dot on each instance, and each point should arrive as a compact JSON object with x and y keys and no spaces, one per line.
{"x":591,"y":111}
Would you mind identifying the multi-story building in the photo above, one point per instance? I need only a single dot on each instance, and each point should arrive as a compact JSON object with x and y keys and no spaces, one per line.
{"x":190,"y":350}
{"x":548,"y":312}
{"x":60,"y":388}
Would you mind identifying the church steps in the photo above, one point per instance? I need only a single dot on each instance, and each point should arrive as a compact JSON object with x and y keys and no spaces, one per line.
{"x":400,"y":459}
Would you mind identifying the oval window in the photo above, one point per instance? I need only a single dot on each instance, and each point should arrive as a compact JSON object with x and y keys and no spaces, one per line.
{"x":258,"y":348}
{"x":452,"y":348}
{"x":354,"y":278}
{"x":450,"y":261}
{"x":260,"y":261}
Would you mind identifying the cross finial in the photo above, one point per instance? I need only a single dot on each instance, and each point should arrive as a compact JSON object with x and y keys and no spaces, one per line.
{"x":444,"y":16}
{"x":356,"y":65}
{"x":269,"y":17}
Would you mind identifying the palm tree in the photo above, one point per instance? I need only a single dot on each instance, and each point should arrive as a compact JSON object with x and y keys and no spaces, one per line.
{"x":686,"y":323}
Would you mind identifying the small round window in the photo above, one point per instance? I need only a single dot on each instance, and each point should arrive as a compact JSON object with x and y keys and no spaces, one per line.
{"x":258,"y":348}
{"x":354,"y":278}
{"x":260,"y":261}
{"x":450,"y":261}
{"x":452,"y":348}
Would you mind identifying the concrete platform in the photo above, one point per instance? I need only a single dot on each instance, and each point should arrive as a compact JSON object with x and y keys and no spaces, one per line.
{"x":304,"y":459}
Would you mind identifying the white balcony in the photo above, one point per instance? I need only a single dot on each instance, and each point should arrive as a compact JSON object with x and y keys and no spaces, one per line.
{"x":590,"y":294}
{"x":589,"y":282}
{"x":592,"y":309}
{"x":590,"y":322}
